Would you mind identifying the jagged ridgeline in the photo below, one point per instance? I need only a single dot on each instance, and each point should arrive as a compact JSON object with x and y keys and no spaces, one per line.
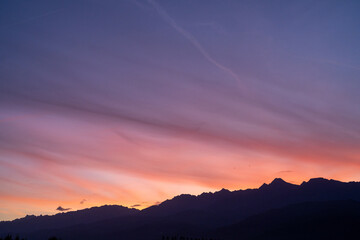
{"x":279,"y":210}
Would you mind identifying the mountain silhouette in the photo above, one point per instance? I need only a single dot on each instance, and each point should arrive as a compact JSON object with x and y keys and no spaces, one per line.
{"x":278,"y":183}
{"x":189,"y":215}
{"x":34,"y":223}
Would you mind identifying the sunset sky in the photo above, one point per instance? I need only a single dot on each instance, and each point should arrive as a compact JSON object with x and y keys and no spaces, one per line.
{"x":133,"y":102}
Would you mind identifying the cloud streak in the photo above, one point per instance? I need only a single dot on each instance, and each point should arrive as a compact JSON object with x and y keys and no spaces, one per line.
{"x":130,"y":113}
{"x":61,"y":209}
{"x":164,"y":15}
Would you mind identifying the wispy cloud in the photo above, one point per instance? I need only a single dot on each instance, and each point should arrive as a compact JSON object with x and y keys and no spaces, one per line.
{"x":162,"y":12}
{"x":61,"y":209}
{"x":110,"y":111}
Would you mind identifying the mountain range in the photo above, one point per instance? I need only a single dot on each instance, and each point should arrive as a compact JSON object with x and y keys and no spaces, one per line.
{"x":316,"y":209}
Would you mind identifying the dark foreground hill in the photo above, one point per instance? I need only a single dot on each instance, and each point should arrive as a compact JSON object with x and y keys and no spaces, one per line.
{"x":221,"y":214}
{"x":310,"y":220}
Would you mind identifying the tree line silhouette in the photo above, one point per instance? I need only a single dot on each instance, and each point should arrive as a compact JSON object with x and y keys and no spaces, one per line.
{"x":10,"y":237}
{"x":186,"y":238}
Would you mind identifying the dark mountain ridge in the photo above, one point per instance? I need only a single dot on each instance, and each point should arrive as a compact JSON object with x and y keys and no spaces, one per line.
{"x":186,"y":214}
{"x":243,"y":203}
{"x":61,"y":220}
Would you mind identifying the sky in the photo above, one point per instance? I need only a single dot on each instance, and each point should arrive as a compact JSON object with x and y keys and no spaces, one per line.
{"x":133,"y":102}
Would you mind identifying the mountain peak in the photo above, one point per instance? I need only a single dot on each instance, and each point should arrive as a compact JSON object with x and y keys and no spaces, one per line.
{"x":322,"y":182}
{"x":318,"y":180}
{"x":278,"y":181}
{"x":312,"y":181}
{"x":223,"y":192}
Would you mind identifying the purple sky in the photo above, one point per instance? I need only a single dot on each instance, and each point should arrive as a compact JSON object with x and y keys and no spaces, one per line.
{"x":132,"y":102}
